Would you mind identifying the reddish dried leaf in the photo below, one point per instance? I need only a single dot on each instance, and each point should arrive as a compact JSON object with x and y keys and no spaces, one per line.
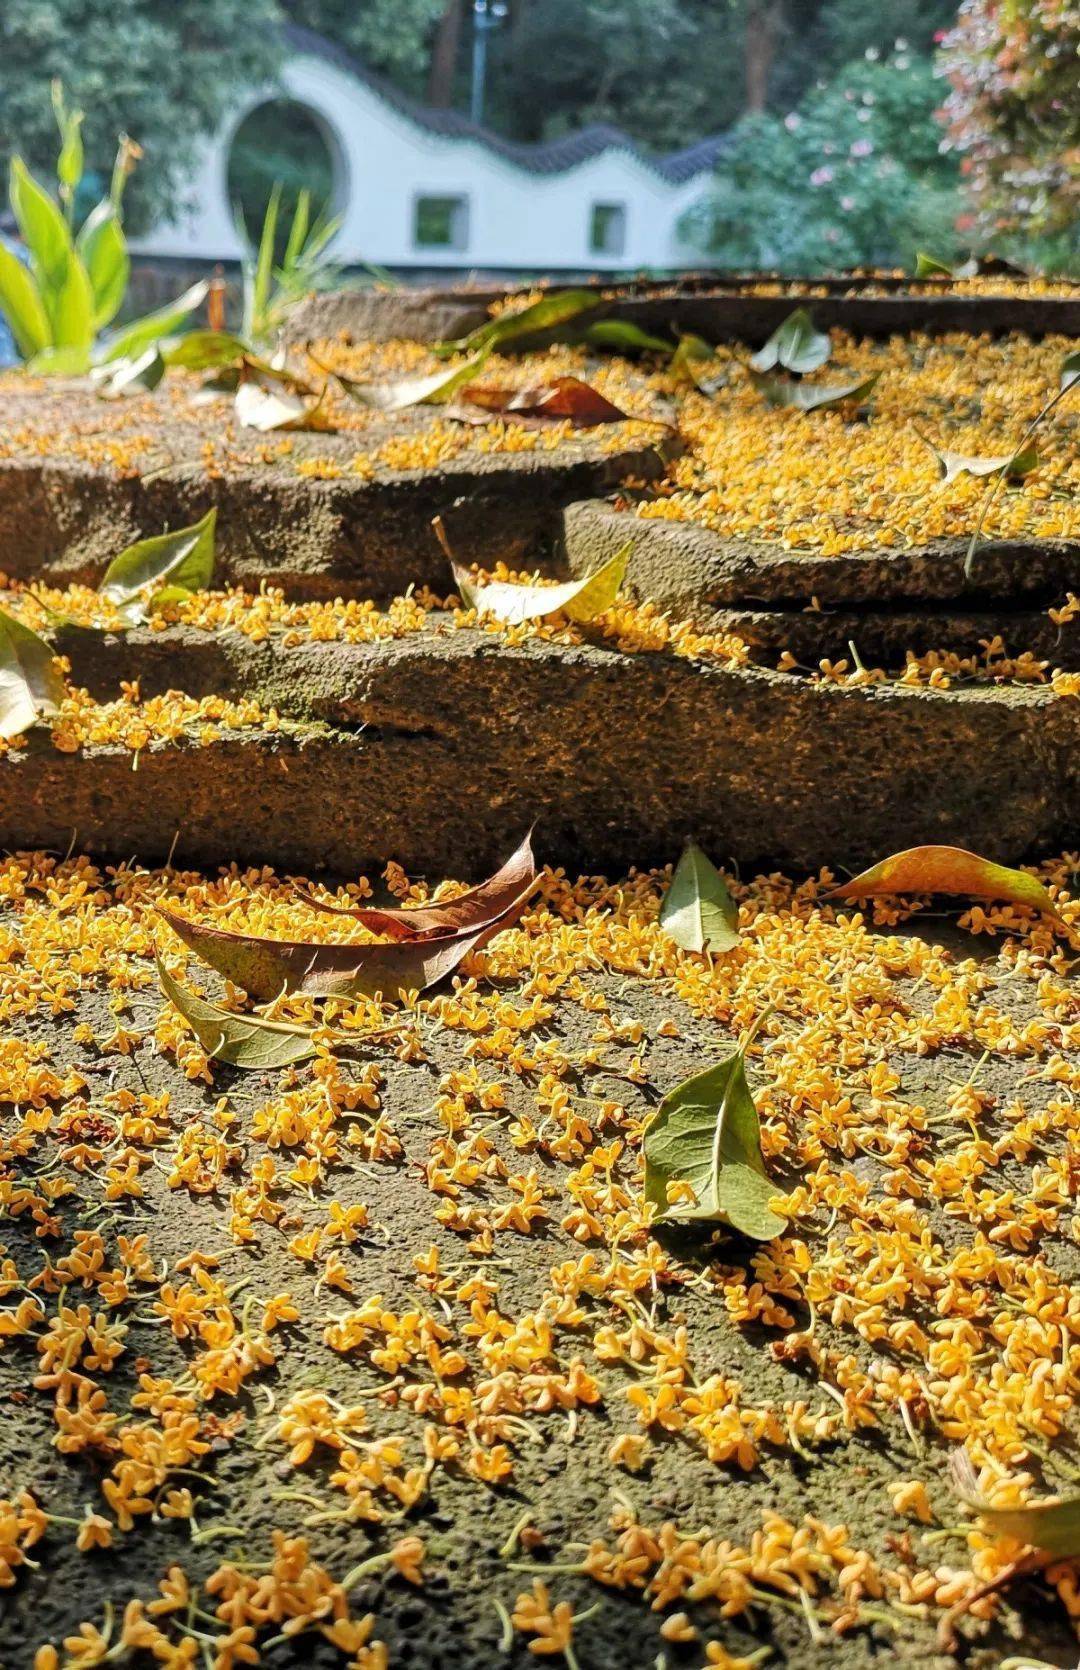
{"x":265,"y":968}
{"x":493,"y":898}
{"x":947,"y":870}
{"x":562,"y":398}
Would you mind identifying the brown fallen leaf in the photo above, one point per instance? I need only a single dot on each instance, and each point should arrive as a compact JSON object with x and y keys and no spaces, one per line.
{"x":493,"y":898}
{"x":265,"y":968}
{"x":947,"y":870}
{"x":560,"y":399}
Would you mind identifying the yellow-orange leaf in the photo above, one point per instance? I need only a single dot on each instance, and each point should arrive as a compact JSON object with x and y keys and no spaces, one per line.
{"x":947,"y":870}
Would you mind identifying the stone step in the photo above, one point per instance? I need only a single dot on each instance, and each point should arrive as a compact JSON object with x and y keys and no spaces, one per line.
{"x":81,"y":478}
{"x":441,"y":747}
{"x":686,"y":567}
{"x":726,"y":310}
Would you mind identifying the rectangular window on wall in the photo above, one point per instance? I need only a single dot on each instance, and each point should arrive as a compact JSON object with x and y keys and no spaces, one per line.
{"x":441,"y":222}
{"x":607,"y":229}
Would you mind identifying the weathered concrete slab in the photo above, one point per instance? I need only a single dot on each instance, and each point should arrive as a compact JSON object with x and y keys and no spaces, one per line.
{"x":883,"y":638}
{"x":721,"y":310}
{"x":80,"y":479}
{"x":435,"y":749}
{"x":688,"y":567}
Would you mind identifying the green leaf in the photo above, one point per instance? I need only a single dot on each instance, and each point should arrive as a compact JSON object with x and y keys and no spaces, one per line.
{"x":44,"y":230}
{"x":698,"y":912}
{"x":1052,"y":1524}
{"x":546,"y":314}
{"x":31,"y":686}
{"x":433,"y":390}
{"x":102,"y":247}
{"x":267,"y":967}
{"x":71,"y":309}
{"x":795,"y":345}
{"x":1070,"y":369}
{"x":928,"y":266}
{"x":706,"y":1133}
{"x":241,"y":1040}
{"x":298,"y":231}
{"x":166,"y":321}
{"x":690,"y":351}
{"x":205,"y":350}
{"x":184,"y":558}
{"x":130,"y":376}
{"x":73,"y":361}
{"x":513,"y":604}
{"x":69,"y":164}
{"x":624,"y":337}
{"x":954,"y":464}
{"x":258,"y":275}
{"x":21,"y":305}
{"x":806,"y":397}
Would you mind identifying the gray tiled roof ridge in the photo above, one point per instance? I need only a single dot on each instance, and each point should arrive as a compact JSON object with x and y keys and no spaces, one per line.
{"x":545,"y":157}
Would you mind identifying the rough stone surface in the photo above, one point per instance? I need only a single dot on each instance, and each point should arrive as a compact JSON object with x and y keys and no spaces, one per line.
{"x":720,"y":310}
{"x":436,"y":749}
{"x":64,"y":516}
{"x":686,"y":567}
{"x":883,"y":639}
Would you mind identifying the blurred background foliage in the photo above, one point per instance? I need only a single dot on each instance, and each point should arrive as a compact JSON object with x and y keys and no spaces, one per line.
{"x":856,"y":131}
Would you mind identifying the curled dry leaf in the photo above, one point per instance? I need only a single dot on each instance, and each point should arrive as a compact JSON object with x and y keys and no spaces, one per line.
{"x":811,"y":397}
{"x":698,"y":912}
{"x":480,"y":905}
{"x":563,"y":399}
{"x":706,"y":1133}
{"x":182,"y":560}
{"x":953,"y":464}
{"x":795,"y":345}
{"x":31,"y":686}
{"x":947,"y":870}
{"x":1052,"y":1524}
{"x":265,"y":968}
{"x":435,"y":389}
{"x":241,"y":1040}
{"x":266,"y":402}
{"x":581,"y":599}
{"x":130,"y":376}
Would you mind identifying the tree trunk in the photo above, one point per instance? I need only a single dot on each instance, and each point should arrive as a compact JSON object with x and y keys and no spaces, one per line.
{"x":762,"y":29}
{"x":444,"y":56}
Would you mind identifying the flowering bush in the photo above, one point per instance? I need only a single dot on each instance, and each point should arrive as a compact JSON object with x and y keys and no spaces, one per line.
{"x":1014,"y":110}
{"x":854,"y":176}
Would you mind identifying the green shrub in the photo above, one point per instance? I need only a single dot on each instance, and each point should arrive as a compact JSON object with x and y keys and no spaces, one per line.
{"x":853,"y":177}
{"x":75,"y":284}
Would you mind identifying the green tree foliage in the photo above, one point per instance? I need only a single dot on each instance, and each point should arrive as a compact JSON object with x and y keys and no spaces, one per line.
{"x":648,"y":66}
{"x":1014,"y":111}
{"x":164,"y":71}
{"x":852,"y":177}
{"x":393,"y":36}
